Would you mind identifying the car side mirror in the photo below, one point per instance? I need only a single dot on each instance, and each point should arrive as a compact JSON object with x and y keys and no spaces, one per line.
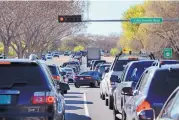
{"x":106,"y":70}
{"x":127,"y":91}
{"x":148,"y":114}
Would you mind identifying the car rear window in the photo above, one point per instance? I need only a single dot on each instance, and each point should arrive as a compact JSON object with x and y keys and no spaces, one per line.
{"x":21,"y":72}
{"x":164,"y":83}
{"x":53,"y":70}
{"x":97,"y":62}
{"x":69,"y":70}
{"x":120,"y":65}
{"x":136,"y":69}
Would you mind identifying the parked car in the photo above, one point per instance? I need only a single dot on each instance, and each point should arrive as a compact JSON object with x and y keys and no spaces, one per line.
{"x":29,"y":88}
{"x":151,"y":91}
{"x":89,"y":78}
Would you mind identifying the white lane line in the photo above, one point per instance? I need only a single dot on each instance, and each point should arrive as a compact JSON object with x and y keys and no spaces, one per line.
{"x":85,"y":105}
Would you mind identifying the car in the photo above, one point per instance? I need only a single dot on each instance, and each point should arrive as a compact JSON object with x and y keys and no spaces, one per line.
{"x":96,"y":62}
{"x":102,"y":68}
{"x":43,"y":57}
{"x":169,"y":110}
{"x":89,"y":78}
{"x":54,"y":69}
{"x":28,"y":91}
{"x":111,"y":79}
{"x":152,"y":91}
{"x":67,"y":53}
{"x":71,"y":63}
{"x":97,"y":66}
{"x":48,"y":56}
{"x":70,"y":74}
{"x":129,"y":78}
{"x":164,"y":62}
{"x":84,"y":53}
{"x":56,"y":54}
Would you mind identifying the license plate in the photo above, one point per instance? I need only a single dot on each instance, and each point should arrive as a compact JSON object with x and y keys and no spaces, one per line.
{"x":81,"y":78}
{"x":5,"y":99}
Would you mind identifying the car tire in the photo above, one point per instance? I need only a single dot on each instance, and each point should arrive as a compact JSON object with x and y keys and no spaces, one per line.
{"x":102,"y":96}
{"x":77,"y":86}
{"x":106,"y":102}
{"x":110,"y":102}
{"x":65,"y":91}
{"x":115,"y":112}
{"x":96,"y":84}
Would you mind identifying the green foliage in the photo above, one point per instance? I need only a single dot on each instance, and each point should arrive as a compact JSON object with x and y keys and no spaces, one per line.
{"x":114,"y":51}
{"x":78,"y":48}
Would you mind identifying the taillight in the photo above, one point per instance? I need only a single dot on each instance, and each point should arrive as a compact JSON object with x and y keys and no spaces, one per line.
{"x":76,"y":77}
{"x":88,"y":77}
{"x":143,"y":106}
{"x":56,"y":77}
{"x":43,"y":98}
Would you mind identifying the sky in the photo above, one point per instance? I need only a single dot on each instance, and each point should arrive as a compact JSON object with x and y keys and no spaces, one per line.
{"x":108,"y":9}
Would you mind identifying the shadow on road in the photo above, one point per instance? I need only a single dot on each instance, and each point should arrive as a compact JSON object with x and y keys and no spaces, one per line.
{"x":74,"y":93}
{"x":72,"y":97}
{"x":77,"y":102}
{"x":73,"y":116}
{"x":70,"y":107}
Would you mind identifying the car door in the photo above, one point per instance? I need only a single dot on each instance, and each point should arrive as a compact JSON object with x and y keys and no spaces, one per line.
{"x":118,"y":88}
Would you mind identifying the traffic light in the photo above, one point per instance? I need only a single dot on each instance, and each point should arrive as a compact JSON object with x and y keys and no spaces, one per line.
{"x":69,"y":18}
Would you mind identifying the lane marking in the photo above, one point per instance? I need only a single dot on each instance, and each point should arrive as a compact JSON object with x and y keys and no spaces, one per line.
{"x":85,"y":105}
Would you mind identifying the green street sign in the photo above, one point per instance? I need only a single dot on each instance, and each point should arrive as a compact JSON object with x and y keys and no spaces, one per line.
{"x":167,"y":53}
{"x":146,"y":20}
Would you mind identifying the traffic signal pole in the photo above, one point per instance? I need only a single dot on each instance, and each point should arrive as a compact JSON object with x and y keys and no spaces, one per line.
{"x":105,"y":21}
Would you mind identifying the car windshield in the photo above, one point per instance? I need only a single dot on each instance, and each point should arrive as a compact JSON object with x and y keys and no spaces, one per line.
{"x":68,"y":70}
{"x":120,"y":65}
{"x":135,"y":70}
{"x":20,"y":73}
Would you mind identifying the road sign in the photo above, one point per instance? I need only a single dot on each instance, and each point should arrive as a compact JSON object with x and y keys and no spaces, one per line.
{"x":167,"y":53}
{"x":146,"y":20}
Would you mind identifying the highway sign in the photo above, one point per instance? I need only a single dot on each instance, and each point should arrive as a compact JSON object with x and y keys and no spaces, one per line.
{"x":146,"y":20}
{"x":167,"y":53}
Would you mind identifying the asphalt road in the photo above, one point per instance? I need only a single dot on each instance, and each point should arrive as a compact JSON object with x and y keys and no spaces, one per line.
{"x":83,"y":103}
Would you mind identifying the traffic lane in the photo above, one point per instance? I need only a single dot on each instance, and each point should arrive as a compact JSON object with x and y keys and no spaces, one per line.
{"x":98,"y":110}
{"x":84,"y":103}
{"x":75,"y":104}
{"x":58,"y":61}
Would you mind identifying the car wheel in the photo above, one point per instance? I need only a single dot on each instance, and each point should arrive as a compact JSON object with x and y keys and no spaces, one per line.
{"x":102,"y":96}
{"x":77,"y":86}
{"x":110,"y":102}
{"x":106,"y":102}
{"x":115,"y":112}
{"x":65,"y":91}
{"x":96,"y":84}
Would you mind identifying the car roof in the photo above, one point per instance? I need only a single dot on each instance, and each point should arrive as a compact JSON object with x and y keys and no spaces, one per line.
{"x":20,"y":60}
{"x":140,"y":61}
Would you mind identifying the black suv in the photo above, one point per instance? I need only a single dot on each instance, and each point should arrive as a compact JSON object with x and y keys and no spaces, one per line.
{"x":27,"y":90}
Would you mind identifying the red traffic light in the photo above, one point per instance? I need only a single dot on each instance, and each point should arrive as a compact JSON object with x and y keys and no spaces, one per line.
{"x":69,"y":18}
{"x":61,"y":19}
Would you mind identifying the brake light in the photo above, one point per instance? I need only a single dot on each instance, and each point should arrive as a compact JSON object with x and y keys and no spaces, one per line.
{"x":42,"y":98}
{"x":88,"y":77}
{"x":76,"y":77}
{"x":143,"y":106}
{"x":56,"y":77}
{"x":5,"y":63}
